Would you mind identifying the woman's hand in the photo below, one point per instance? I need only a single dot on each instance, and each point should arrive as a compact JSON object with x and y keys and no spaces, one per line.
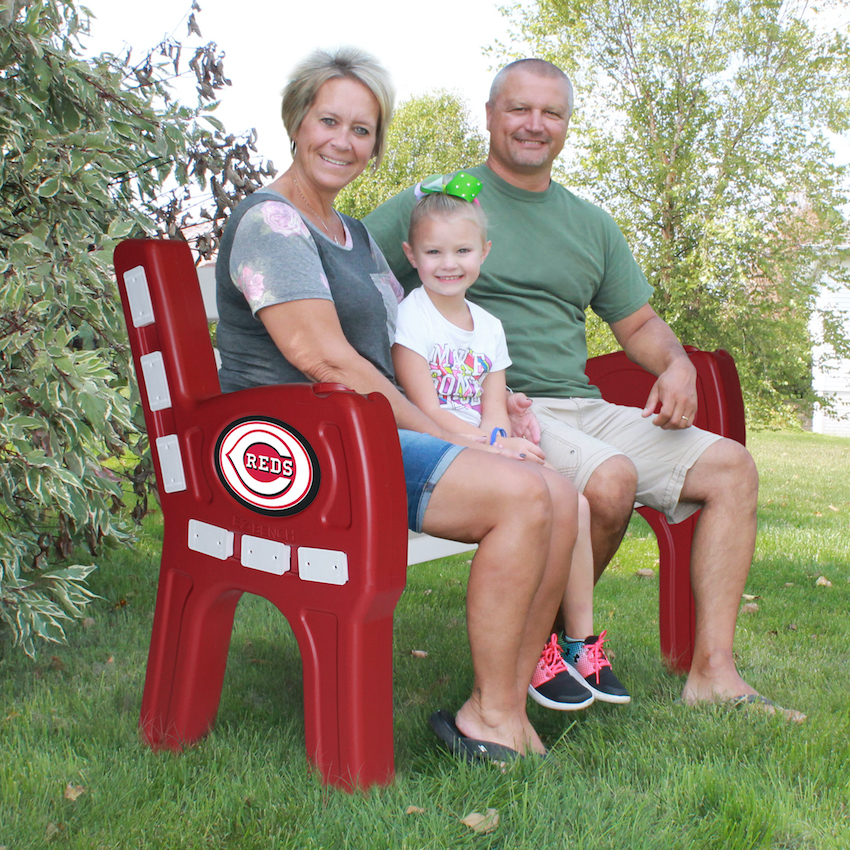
{"x":512,"y":447}
{"x":525,"y":449}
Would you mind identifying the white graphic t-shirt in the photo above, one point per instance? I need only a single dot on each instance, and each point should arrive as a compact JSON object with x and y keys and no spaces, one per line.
{"x":459,"y":359}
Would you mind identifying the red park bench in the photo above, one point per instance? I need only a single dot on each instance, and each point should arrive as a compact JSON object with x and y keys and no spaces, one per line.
{"x":295,"y":493}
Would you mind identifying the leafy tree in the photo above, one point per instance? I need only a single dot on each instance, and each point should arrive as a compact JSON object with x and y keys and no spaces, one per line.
{"x":86,"y":147}
{"x":703,"y":127}
{"x":429,"y":134}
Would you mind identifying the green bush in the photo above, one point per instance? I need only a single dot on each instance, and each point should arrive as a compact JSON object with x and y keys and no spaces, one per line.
{"x":86,"y":147}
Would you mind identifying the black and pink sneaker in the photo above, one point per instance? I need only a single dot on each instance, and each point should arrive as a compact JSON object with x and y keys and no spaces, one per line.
{"x":553,"y":685}
{"x":587,"y":661}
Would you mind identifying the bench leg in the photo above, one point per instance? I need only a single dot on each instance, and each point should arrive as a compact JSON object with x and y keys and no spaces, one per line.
{"x":676,"y":611}
{"x":186,"y":663}
{"x":348,"y":711}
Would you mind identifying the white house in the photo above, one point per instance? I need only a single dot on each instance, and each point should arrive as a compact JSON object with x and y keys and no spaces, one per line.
{"x":832,"y":378}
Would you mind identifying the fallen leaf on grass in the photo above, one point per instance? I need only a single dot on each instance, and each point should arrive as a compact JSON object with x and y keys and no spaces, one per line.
{"x":823,"y":581}
{"x":749,"y":608}
{"x":645,"y":573}
{"x":53,"y":829}
{"x":482,"y":823}
{"x":74,"y":792}
{"x":414,"y":810}
{"x":749,"y":598}
{"x":833,"y":508}
{"x":418,"y":653}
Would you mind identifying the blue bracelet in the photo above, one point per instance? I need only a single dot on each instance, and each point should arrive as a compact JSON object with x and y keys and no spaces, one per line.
{"x":497,"y":432}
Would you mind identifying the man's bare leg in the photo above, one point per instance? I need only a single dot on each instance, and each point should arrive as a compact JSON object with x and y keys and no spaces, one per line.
{"x":515,"y":582}
{"x":725,"y":481}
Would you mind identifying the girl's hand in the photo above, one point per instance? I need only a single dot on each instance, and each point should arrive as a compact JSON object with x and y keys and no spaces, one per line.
{"x":523,"y":422}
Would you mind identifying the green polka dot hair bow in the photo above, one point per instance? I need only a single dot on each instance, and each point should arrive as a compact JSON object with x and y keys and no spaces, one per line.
{"x":460,"y":184}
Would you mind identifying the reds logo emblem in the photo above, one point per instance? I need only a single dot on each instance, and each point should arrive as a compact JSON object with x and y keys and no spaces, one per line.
{"x":267,"y":466}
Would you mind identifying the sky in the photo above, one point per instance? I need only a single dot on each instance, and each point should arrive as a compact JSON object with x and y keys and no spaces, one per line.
{"x":433,"y":45}
{"x":427,"y":46}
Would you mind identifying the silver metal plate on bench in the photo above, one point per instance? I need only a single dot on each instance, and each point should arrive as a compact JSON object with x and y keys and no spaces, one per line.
{"x":323,"y":565}
{"x":156,"y":381}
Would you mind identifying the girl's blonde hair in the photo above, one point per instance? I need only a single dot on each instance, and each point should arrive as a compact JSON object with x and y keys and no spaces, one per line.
{"x":439,"y":205}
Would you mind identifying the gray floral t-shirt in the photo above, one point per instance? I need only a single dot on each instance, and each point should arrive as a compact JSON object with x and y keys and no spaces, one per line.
{"x":270,"y":255}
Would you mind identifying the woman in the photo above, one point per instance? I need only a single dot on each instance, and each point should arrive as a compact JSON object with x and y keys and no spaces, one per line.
{"x":305,"y":295}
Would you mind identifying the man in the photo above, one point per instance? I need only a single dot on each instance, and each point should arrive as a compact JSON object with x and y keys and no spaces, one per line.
{"x":554,"y":255}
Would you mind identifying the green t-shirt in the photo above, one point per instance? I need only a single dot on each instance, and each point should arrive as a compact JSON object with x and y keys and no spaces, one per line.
{"x":553,"y":255}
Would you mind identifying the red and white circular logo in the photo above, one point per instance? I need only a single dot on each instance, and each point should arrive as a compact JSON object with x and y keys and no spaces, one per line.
{"x":267,"y":466}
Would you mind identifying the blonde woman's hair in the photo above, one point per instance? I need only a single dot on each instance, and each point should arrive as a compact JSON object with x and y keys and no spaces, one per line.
{"x":344,"y":63}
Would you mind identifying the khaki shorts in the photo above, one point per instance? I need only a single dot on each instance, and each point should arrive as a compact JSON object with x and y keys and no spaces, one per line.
{"x":578,"y":434}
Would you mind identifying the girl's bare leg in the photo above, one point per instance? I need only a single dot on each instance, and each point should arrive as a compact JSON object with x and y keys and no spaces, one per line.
{"x":577,"y":606}
{"x":565,"y":526}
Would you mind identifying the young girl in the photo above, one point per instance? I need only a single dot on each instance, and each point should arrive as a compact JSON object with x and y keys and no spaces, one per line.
{"x":450,"y":358}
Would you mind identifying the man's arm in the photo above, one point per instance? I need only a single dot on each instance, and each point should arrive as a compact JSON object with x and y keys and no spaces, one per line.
{"x":648,"y":340}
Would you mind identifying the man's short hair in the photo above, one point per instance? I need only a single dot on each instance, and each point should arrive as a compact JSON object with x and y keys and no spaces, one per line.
{"x":540,"y":67}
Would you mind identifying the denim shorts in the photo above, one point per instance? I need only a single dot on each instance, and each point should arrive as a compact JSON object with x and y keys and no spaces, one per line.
{"x":425,"y":458}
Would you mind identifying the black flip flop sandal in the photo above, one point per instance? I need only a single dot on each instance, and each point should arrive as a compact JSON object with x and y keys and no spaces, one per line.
{"x":443,"y":724}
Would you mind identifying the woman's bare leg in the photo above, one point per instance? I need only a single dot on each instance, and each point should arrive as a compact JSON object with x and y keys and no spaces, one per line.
{"x":565,"y":525}
{"x":516,"y":581}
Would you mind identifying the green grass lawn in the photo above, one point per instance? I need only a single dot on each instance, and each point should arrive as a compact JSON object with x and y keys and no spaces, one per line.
{"x":653,"y":774}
